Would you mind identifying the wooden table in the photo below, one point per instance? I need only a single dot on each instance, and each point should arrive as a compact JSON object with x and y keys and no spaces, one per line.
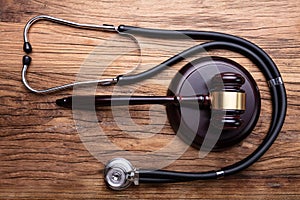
{"x":42,"y":155}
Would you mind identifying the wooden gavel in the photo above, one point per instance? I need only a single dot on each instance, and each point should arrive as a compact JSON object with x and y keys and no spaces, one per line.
{"x":225,"y":96}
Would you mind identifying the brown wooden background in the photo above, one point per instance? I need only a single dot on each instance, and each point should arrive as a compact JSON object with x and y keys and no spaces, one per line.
{"x":41,"y":154}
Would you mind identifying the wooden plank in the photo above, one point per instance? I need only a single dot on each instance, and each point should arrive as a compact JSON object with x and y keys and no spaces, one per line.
{"x":41,"y":152}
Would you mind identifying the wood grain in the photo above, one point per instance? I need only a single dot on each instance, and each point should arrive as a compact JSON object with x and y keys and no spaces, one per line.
{"x":41,"y":152}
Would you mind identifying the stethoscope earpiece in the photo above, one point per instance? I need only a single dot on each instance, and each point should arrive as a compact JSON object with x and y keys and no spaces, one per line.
{"x":222,"y":93}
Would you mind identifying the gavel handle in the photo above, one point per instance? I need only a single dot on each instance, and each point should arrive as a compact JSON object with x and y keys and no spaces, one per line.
{"x":107,"y":100}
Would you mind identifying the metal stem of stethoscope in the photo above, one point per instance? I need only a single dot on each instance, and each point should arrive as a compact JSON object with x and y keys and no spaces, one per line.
{"x":28,"y":49}
{"x":104,"y":27}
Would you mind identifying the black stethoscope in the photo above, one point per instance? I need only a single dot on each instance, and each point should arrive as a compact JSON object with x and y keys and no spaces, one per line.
{"x":229,"y":95}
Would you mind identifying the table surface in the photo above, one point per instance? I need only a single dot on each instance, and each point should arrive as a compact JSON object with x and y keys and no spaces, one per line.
{"x":44,"y":150}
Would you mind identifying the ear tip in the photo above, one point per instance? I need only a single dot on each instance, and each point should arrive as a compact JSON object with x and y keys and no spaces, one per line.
{"x":27,"y":47}
{"x":26,"y":60}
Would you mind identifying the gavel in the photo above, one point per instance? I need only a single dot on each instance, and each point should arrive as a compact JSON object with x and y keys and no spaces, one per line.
{"x":225,"y":97}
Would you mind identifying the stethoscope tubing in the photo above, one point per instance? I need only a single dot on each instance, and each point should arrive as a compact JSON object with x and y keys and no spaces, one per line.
{"x":222,"y":41}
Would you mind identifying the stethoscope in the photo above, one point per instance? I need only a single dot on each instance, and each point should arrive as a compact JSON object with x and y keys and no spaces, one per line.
{"x":119,"y":173}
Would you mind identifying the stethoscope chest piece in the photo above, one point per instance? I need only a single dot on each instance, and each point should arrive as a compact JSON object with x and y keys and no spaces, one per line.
{"x":233,"y":103}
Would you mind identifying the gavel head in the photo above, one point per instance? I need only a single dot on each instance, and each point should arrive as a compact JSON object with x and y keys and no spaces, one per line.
{"x":228,"y":100}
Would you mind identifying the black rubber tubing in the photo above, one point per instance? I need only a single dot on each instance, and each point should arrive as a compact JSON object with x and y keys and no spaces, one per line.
{"x":221,"y":41}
